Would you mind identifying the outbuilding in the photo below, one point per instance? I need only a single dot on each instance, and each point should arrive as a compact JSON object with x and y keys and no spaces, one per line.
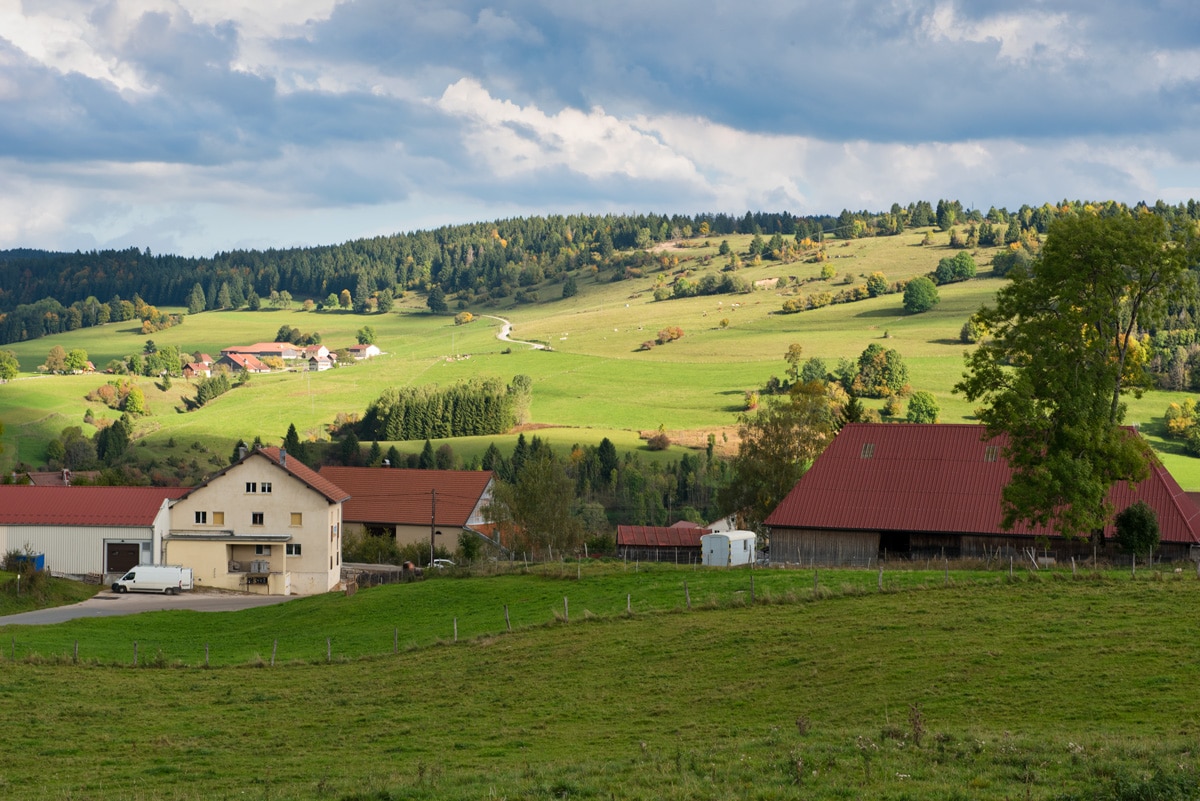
{"x":728,"y":548}
{"x":82,"y":531}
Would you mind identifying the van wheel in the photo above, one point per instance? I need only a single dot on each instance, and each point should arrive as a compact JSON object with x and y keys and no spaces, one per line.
{"x":122,"y":589}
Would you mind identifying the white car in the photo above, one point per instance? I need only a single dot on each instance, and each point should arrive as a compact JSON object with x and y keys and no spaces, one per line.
{"x":442,"y":564}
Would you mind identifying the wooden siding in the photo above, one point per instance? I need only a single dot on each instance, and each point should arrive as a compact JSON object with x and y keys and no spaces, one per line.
{"x":680,"y":555}
{"x":825,"y":548}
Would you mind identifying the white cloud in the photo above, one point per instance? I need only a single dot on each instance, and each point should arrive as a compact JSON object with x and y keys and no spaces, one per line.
{"x":1032,"y":36}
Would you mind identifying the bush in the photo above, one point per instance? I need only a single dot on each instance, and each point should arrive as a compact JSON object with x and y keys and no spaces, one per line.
{"x":920,"y":296}
{"x":659,"y":442}
{"x":877,"y":285}
{"x":922,"y":408}
{"x":959,"y":267}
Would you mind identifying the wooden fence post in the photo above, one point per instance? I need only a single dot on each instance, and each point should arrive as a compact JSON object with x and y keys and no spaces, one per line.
{"x":879,"y":581}
{"x":206,"y":654}
{"x":135,"y":653}
{"x":507,"y":622}
{"x":395,"y":641}
{"x":814,"y":581}
{"x":456,"y":629}
{"x":274,"y":650}
{"x":629,"y":596}
{"x":687,"y":595}
{"x":751,"y":587}
{"x":328,"y":649}
{"x":566,"y":611}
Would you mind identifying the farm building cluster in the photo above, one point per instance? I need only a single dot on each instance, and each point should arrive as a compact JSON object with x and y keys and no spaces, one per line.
{"x":257,"y":358}
{"x":270,"y":524}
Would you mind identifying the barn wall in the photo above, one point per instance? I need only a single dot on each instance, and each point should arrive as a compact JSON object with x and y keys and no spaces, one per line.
{"x":826,"y":548}
{"x":680,"y":555}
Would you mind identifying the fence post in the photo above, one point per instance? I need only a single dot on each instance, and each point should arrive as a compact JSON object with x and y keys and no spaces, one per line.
{"x":629,"y":596}
{"x":814,"y":581}
{"x":1072,"y":567}
{"x":274,"y":650}
{"x":328,"y":649}
{"x":566,"y":611}
{"x":135,"y":653}
{"x":75,"y":659}
{"x":206,"y":654}
{"x":687,"y":595}
{"x":751,"y":587}
{"x":456,"y":629}
{"x":395,"y":641}
{"x":507,"y":622}
{"x":879,"y":581}
{"x":946,"y":573}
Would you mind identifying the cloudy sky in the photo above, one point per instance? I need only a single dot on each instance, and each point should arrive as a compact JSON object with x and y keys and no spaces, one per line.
{"x":194,"y":126}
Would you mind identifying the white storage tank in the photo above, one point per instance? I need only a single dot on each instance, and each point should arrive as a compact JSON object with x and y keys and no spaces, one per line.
{"x":728,"y":548}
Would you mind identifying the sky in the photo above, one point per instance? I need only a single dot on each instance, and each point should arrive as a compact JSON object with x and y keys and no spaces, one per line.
{"x":200,"y":126}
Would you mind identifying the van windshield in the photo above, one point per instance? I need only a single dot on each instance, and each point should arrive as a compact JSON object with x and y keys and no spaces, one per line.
{"x":128,"y":577}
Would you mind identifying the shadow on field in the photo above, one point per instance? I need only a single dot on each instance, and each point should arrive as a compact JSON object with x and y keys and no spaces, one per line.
{"x":896,"y":313}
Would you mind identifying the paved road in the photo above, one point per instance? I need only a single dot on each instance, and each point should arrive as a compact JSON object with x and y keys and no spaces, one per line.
{"x":506,"y":329}
{"x":108,"y":604}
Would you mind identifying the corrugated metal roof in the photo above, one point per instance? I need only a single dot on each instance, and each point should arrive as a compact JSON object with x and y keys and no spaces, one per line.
{"x":940,"y":478}
{"x":401,"y":496}
{"x":659,"y":536}
{"x":82,"y":506}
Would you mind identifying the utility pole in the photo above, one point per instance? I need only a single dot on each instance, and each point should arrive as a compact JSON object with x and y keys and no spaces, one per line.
{"x":432,"y":522}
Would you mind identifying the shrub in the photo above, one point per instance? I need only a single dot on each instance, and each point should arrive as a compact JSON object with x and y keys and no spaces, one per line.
{"x":659,"y":441}
{"x":877,"y":285}
{"x":669,"y":334}
{"x":920,"y":296}
{"x":959,"y":267}
{"x":922,"y":408}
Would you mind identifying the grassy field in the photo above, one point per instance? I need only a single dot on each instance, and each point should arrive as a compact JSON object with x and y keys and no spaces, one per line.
{"x":595,"y":383}
{"x":1042,"y":687}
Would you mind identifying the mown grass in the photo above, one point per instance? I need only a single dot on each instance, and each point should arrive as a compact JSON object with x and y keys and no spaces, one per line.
{"x":17,"y":596}
{"x":1037,"y":688}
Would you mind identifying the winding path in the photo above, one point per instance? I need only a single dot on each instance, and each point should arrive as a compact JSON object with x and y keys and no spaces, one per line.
{"x":506,"y":329}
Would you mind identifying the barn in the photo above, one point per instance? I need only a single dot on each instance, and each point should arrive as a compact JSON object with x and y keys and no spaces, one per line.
{"x":82,"y":531}
{"x":931,"y":491}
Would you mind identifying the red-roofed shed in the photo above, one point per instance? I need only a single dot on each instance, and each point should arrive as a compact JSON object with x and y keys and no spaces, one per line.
{"x":677,"y":543}
{"x":935,"y":490}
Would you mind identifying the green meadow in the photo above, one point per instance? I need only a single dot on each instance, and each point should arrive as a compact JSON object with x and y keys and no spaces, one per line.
{"x":596,"y":381}
{"x":1040,"y":686}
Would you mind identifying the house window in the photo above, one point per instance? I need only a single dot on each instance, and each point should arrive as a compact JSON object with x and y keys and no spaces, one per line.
{"x":218,"y":518}
{"x":293,"y":549}
{"x":251,"y":487}
{"x":256,"y":518}
{"x":201,"y":518}
{"x":868,"y":450}
{"x":297,"y":518}
{"x":262,"y":550}
{"x":265,"y":486}
{"x":991,"y":453}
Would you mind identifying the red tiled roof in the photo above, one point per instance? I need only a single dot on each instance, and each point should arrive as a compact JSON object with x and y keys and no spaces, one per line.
{"x":246,"y":360}
{"x":56,"y":478}
{"x":660,"y":536}
{"x":292,"y":466}
{"x":82,"y":506}
{"x":400,"y":496}
{"x":937,"y":478}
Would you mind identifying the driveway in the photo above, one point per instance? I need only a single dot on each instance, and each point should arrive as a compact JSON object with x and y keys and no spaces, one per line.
{"x":107,"y":603}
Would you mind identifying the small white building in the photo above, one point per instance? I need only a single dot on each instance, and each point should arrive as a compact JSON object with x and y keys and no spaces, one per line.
{"x":728,"y":548}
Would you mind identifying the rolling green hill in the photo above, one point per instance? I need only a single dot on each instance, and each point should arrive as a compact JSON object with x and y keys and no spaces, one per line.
{"x":595,"y":382}
{"x":1038,"y":687}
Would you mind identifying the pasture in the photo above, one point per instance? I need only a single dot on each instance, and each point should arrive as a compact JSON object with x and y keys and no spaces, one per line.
{"x":595,"y":382}
{"x":1041,"y":686}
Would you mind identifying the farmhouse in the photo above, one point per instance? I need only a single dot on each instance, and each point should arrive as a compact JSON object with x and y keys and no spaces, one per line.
{"x":100,"y":531}
{"x":404,"y":503}
{"x":360,"y":352}
{"x":263,"y":350}
{"x":927,"y":491}
{"x":236,"y":362}
{"x":267,"y":523}
{"x":679,"y":543}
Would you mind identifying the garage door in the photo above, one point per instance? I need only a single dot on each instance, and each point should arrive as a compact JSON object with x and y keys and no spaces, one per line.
{"x":121,"y":556}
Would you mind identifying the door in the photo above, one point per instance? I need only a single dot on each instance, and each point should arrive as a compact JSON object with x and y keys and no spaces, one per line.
{"x":121,"y":556}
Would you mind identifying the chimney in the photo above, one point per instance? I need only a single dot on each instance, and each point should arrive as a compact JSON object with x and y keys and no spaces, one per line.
{"x":283,"y":457}
{"x":66,"y":477}
{"x":241,"y":452}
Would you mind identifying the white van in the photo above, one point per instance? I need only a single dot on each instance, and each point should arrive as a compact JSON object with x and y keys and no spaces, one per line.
{"x":167,"y":579}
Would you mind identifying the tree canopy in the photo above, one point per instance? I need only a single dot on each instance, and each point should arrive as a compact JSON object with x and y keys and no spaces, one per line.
{"x":1061,"y":353}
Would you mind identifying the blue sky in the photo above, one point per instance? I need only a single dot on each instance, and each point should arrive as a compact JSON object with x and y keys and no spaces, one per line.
{"x":195,"y":126}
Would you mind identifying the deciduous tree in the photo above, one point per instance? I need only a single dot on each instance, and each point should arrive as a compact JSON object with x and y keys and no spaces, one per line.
{"x":1061,"y":356}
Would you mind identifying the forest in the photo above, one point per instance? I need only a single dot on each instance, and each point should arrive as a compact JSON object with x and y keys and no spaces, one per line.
{"x":45,"y":293}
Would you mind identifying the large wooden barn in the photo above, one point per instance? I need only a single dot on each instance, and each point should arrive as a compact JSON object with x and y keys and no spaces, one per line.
{"x":679,"y":543}
{"x":932,"y":491}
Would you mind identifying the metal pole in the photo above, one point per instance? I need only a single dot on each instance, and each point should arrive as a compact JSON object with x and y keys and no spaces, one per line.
{"x":432,"y":522}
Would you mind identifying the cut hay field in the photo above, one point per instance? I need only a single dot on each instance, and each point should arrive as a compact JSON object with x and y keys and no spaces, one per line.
{"x":596,"y":381}
{"x":1042,"y":687}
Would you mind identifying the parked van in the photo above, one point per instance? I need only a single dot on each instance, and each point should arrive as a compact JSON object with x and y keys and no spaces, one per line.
{"x":167,"y":579}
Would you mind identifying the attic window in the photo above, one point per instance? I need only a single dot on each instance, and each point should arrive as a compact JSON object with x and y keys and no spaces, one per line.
{"x":991,"y":453}
{"x":868,"y":450}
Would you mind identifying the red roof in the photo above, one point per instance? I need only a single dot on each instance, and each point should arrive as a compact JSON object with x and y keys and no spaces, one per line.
{"x":400,"y":496}
{"x":660,"y":536}
{"x":82,"y":506}
{"x":941,"y":478}
{"x":292,"y":466}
